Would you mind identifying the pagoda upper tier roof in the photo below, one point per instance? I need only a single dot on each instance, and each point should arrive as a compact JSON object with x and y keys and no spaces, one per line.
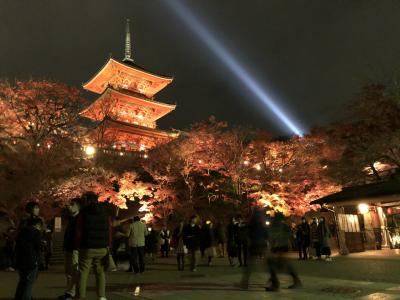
{"x":113,"y":100}
{"x":129,"y":76}
{"x":137,"y":129}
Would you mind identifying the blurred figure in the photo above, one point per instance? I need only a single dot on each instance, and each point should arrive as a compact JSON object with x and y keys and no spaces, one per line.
{"x":279,"y":235}
{"x":32,"y":211}
{"x":151,"y":243}
{"x":232,"y":241}
{"x":209,"y":242}
{"x":314,"y":239}
{"x":220,"y":238}
{"x":9,"y":248}
{"x":192,"y":241}
{"x":242,"y":241}
{"x":180,"y":249}
{"x":324,"y":237}
{"x":165,"y":236}
{"x":137,"y":233}
{"x":257,"y":237}
{"x":303,"y":238}
{"x":28,"y":255}
{"x":71,"y":251}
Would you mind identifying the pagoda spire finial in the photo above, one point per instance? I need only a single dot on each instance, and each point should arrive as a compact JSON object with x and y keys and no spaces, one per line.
{"x":128,"y":46}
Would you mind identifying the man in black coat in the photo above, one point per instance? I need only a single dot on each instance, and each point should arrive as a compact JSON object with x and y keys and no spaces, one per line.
{"x":93,"y":239}
{"x":71,"y":252}
{"x":191,"y":239}
{"x":303,"y":238}
{"x":28,"y":254}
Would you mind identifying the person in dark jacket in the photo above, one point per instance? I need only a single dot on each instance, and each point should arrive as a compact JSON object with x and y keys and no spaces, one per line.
{"x":93,"y":239}
{"x":324,"y":237}
{"x":177,"y":239}
{"x":192,"y":241}
{"x":231,"y":231}
{"x":165,"y":236}
{"x":278,"y":235}
{"x":220,"y":237}
{"x":314,"y":239}
{"x":303,"y":238}
{"x":209,"y":242}
{"x":28,"y":254}
{"x":71,"y":252}
{"x":242,"y":241}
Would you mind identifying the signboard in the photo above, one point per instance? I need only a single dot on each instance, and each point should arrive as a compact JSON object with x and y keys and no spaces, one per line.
{"x":57,"y":224}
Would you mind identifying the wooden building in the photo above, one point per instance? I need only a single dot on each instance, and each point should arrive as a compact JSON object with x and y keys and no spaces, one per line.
{"x":367,"y":216}
{"x":125,"y":114}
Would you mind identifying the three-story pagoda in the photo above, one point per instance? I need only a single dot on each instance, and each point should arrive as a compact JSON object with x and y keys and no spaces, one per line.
{"x":126,"y":111}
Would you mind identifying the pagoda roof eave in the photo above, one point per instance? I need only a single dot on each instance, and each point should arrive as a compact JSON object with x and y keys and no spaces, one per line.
{"x":167,"y":108}
{"x":135,"y":129}
{"x":90,"y":84}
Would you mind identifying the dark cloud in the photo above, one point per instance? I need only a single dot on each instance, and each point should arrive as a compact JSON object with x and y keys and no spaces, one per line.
{"x":310,"y":55}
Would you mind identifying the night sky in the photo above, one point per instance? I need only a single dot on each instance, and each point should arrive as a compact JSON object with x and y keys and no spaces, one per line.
{"x":310,"y":56}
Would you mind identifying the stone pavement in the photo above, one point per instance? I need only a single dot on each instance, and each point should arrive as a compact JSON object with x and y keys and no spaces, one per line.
{"x":344,"y":278}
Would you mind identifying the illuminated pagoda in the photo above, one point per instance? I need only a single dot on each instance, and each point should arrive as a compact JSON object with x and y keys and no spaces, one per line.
{"x":126,"y":111}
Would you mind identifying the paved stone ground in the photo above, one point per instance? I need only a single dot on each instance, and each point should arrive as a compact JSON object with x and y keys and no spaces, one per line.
{"x":355,"y":277}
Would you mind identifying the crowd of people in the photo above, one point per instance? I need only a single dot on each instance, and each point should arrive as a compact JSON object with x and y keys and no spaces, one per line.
{"x":92,"y":240}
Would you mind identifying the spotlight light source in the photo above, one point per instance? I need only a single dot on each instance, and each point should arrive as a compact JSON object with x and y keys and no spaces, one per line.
{"x":231,"y":63}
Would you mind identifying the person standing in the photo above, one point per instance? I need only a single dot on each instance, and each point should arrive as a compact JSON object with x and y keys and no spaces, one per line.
{"x":28,"y":255}
{"x":279,"y":234}
{"x":71,"y":258}
{"x":165,"y":240}
{"x":303,"y":238}
{"x":324,"y":236}
{"x":232,"y":247}
{"x":242,"y":241}
{"x":177,"y":238}
{"x":93,"y":238}
{"x":137,"y":235}
{"x":9,"y":249}
{"x":192,"y":241}
{"x":314,"y":238}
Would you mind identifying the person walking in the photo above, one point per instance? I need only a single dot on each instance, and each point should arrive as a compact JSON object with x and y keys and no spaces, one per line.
{"x":71,"y":256}
{"x":220,"y":236}
{"x":279,"y":234}
{"x":232,"y":246}
{"x":180,"y":248}
{"x":28,"y":255}
{"x":165,"y":236}
{"x":242,"y":241}
{"x":209,"y":242}
{"x":137,"y":235}
{"x":324,"y":237}
{"x":257,"y":237}
{"x":192,"y":241}
{"x":314,"y":238}
{"x":303,"y":238}
{"x":93,"y":238}
{"x":151,"y":243}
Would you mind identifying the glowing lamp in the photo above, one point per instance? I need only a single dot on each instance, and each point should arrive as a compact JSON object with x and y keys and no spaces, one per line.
{"x":258,"y":167}
{"x":200,"y":161}
{"x":246,"y":162}
{"x":38,"y":144}
{"x":145,"y":156}
{"x":280,"y":170}
{"x":121,"y":154}
{"x":90,"y":150}
{"x":267,"y":223}
{"x":142,"y":147}
{"x":363,"y":208}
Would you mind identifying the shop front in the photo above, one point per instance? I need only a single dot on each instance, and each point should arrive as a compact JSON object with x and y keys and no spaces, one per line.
{"x":367,"y":217}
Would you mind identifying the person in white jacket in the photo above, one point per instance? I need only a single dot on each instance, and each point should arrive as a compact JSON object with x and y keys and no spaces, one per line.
{"x":136,"y":239}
